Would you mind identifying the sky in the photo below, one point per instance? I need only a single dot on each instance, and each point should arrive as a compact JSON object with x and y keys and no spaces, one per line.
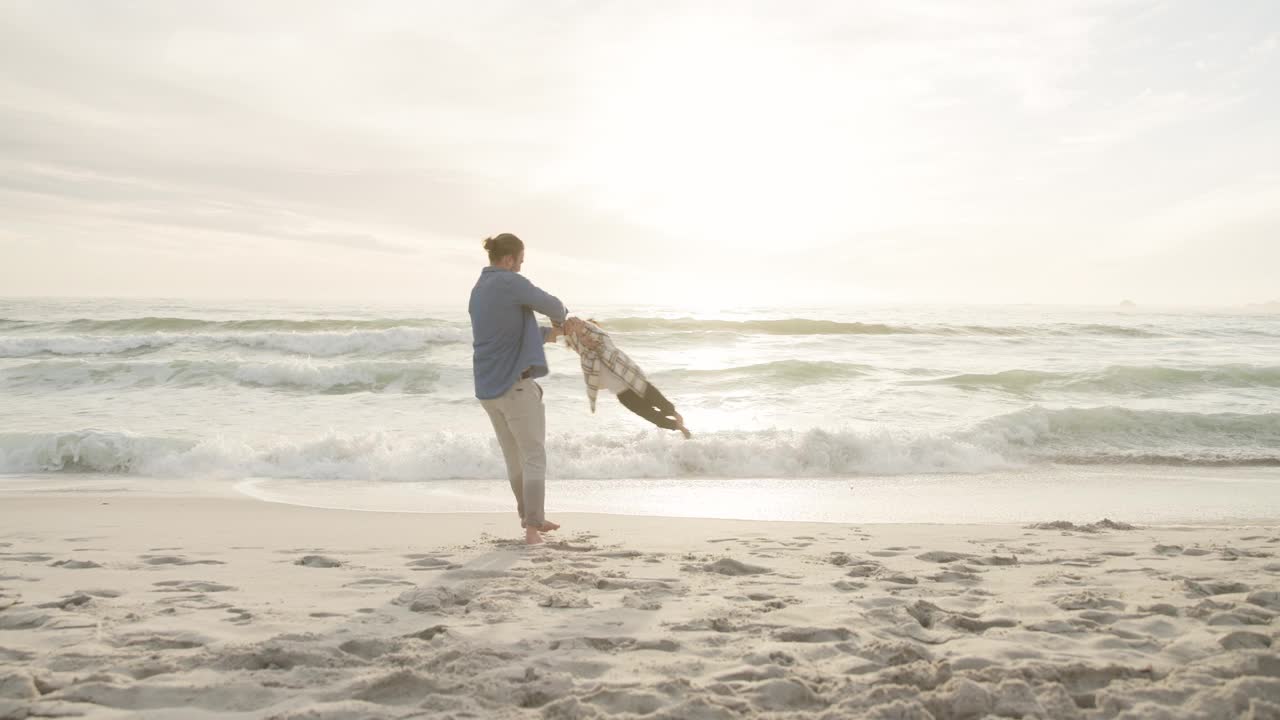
{"x":675,"y":153}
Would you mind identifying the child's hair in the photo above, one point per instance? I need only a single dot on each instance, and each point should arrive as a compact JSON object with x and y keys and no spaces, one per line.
{"x":595,"y":322}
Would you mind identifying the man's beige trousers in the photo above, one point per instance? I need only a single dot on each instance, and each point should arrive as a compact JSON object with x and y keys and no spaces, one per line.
{"x":520,"y":420}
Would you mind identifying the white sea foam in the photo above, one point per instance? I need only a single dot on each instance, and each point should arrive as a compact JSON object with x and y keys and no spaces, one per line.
{"x":1019,"y":438}
{"x":322,"y":344}
{"x":28,"y":346}
{"x":946,"y":389}
{"x":290,"y":373}
{"x":375,"y":456}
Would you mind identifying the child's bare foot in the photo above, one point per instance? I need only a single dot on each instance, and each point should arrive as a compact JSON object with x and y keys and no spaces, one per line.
{"x":684,"y":431}
{"x":532,"y":536}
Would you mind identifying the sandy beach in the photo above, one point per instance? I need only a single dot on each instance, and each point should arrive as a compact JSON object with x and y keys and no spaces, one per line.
{"x":118,"y":603}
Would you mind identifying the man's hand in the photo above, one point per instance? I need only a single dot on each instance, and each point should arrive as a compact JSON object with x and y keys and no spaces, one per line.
{"x":578,"y":329}
{"x":571,"y":325}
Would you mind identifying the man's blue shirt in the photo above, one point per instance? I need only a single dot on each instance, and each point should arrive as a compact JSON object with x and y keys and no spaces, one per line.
{"x":506,"y":338}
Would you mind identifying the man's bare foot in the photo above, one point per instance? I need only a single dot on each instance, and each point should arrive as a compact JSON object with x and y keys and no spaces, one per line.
{"x":548,"y":526}
{"x":532,"y":537}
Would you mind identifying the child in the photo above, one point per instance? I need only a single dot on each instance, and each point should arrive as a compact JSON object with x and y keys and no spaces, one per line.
{"x":604,"y":365}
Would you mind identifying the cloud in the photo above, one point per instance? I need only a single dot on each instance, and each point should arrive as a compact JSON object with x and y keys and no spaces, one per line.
{"x":622,"y":140}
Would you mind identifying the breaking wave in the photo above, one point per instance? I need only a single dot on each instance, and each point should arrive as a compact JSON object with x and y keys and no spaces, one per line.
{"x":1119,"y":379}
{"x":321,"y":343}
{"x":807,"y":326}
{"x":1035,"y":435}
{"x":301,"y":374}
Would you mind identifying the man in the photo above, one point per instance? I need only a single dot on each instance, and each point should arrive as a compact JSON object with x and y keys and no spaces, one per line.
{"x":507,"y":357}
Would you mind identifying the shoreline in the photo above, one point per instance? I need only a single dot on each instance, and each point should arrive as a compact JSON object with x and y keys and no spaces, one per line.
{"x":1141,"y":495}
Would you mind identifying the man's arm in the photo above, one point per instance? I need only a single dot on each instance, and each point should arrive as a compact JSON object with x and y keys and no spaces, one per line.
{"x":528,"y":294}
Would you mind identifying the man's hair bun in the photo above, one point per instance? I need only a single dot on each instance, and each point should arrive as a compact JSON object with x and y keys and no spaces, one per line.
{"x":502,"y":245}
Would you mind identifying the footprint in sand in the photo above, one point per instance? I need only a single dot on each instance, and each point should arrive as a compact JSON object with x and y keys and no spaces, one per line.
{"x":1245,"y":640}
{"x":731,"y":567}
{"x":1160,"y":609}
{"x":1231,"y":553}
{"x":430,"y":563}
{"x":26,"y":557}
{"x":193,"y":586}
{"x":955,"y":574}
{"x":1214,"y":587}
{"x":198,"y":601}
{"x":562,"y":599}
{"x":812,"y":635}
{"x":317,"y":561}
{"x":863,"y":568}
{"x":848,"y":585}
{"x":569,"y":546}
{"x":75,"y":564}
{"x":613,"y":644}
{"x":942,"y":556}
{"x":239,"y":616}
{"x":618,"y":554}
{"x":435,"y":600}
{"x":175,"y":560}
{"x":1086,"y":600}
{"x":996,"y":560}
{"x":899,"y":579}
{"x":15,"y":656}
{"x":641,"y":601}
{"x":569,"y":579}
{"x":930,"y":615}
{"x":73,"y":600}
{"x":23,"y":619}
{"x":839,"y":559}
{"x":376,"y":582}
{"x":158,"y":641}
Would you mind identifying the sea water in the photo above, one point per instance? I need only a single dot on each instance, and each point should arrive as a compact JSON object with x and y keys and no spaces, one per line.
{"x":833,"y":413}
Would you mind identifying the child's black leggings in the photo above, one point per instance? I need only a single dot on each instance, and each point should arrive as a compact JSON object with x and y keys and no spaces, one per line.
{"x":652,"y":407}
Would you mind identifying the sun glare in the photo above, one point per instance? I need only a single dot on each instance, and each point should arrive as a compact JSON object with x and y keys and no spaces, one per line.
{"x":715,"y":129}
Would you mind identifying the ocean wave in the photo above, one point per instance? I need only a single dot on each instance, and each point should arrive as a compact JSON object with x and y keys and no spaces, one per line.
{"x":781,"y":372}
{"x":1147,"y":380}
{"x":303,"y":374}
{"x":792,"y":326}
{"x":809,"y":326}
{"x":375,"y":456}
{"x":1035,"y":435}
{"x":320,"y":343}
{"x":190,"y":325}
{"x":1116,"y":434}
